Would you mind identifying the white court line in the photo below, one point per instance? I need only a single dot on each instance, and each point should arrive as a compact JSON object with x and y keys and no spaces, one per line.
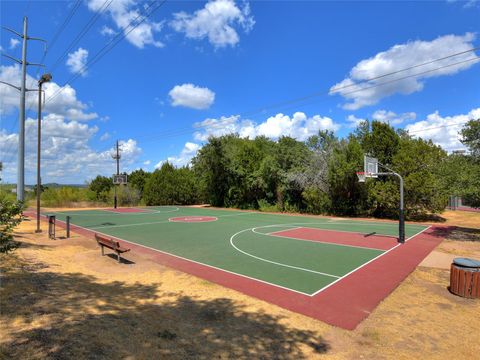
{"x":158,"y":222}
{"x":316,"y":241}
{"x":251,"y":278}
{"x":361,"y":266}
{"x":111,"y":212}
{"x":274,"y":262}
{"x":197,"y":262}
{"x":273,"y":232}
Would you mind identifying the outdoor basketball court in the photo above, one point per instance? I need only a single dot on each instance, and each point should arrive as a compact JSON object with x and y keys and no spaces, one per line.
{"x":335,"y":270}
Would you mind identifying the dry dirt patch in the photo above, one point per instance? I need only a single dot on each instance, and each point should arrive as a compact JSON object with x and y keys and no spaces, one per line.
{"x":61,"y":299}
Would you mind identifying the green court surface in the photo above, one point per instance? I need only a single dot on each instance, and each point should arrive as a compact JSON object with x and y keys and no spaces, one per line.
{"x":242,"y":242}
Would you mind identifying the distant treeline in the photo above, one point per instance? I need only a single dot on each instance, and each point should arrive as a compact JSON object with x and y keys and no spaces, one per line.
{"x":317,"y":176}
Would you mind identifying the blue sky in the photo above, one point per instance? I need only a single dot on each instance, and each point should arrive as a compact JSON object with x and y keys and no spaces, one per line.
{"x":195,"y":69}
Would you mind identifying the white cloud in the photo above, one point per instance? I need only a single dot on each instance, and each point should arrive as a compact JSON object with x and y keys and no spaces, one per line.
{"x":298,"y":126}
{"x":107,"y":31}
{"x":77,"y":60}
{"x":399,"y":57}
{"x":66,"y":154}
{"x":146,"y":162}
{"x":443,"y":131}
{"x":65,"y":102}
{"x":216,"y":22}
{"x":123,"y":12}
{"x":14,"y":43}
{"x":392,"y":118}
{"x":192,"y":96}
{"x":183,"y":159}
{"x":354,"y":121}
{"x":105,"y":136}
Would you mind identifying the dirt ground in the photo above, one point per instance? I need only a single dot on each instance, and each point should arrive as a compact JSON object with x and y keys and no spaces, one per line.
{"x":61,"y":300}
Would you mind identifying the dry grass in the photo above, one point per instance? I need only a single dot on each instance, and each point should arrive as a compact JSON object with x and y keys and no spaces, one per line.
{"x":61,"y":299}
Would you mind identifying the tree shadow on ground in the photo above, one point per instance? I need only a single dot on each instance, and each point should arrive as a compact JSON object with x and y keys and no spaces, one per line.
{"x":62,"y":316}
{"x":464,"y":234}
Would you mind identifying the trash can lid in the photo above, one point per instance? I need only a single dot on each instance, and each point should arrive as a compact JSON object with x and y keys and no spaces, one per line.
{"x":472,"y":263}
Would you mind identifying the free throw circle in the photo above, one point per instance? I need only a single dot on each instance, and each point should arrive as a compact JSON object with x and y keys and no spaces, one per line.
{"x":193,"y":219}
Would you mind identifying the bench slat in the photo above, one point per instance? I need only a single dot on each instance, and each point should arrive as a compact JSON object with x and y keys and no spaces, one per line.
{"x":112,"y":244}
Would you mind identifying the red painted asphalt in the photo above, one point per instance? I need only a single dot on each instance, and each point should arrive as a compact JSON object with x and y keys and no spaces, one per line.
{"x":344,"y":304}
{"x":338,"y":237}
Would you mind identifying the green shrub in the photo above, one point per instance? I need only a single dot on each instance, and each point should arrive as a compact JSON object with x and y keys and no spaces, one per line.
{"x":264,"y":205}
{"x":10,"y":216}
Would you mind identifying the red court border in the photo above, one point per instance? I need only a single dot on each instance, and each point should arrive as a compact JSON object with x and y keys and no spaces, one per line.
{"x":193,"y":219}
{"x":344,"y":303}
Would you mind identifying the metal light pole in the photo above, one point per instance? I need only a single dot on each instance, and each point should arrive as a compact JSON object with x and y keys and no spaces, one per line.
{"x":45,"y":78}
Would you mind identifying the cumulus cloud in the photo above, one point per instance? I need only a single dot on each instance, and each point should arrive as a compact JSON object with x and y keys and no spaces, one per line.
{"x":218,"y":22}
{"x":65,"y":102}
{"x":107,"y":31}
{"x":66,"y":154}
{"x":192,"y":96}
{"x":359,"y":93}
{"x":183,"y":159}
{"x":443,"y":130}
{"x":298,"y":126}
{"x":14,"y":43}
{"x":77,"y":60}
{"x":123,"y":12}
{"x":392,"y":118}
{"x":105,"y":136}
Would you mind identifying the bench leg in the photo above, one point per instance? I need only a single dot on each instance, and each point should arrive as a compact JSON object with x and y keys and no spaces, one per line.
{"x":118,"y":257}
{"x":103,"y":253}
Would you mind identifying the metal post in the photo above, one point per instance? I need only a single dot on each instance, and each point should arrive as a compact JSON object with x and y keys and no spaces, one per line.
{"x":117,"y":158}
{"x":21,"y":119}
{"x":401,"y":223}
{"x":68,"y":226}
{"x":401,"y":211}
{"x":39,"y":137}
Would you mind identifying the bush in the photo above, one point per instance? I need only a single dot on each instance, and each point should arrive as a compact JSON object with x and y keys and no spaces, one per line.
{"x":66,"y":196}
{"x":127,"y":195}
{"x":264,"y":205}
{"x":10,"y":216}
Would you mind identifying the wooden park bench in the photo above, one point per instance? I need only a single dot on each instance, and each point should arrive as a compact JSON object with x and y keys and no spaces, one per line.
{"x":104,"y":241}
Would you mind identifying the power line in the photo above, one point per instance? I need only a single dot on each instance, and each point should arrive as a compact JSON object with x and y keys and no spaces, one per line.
{"x":52,"y":42}
{"x":93,"y":19}
{"x":111,"y":44}
{"x":186,"y":130}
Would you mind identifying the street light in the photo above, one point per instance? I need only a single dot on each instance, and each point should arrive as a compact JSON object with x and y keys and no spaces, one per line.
{"x":45,"y":78}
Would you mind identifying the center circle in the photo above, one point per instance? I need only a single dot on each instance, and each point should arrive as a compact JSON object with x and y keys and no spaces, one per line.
{"x":193,"y":219}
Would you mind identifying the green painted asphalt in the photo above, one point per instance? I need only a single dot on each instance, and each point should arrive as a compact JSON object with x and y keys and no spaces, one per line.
{"x":230,"y":244}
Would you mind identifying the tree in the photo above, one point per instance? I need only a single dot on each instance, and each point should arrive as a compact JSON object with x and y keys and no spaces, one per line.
{"x":470,"y":134}
{"x":101,"y":186}
{"x":138,"y":178}
{"x":347,"y":196}
{"x":170,"y":186}
{"x":211,"y":167}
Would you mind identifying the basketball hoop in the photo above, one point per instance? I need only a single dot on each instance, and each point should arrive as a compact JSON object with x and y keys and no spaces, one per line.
{"x":361,"y":176}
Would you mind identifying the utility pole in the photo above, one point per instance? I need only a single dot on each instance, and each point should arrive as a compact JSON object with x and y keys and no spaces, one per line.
{"x":116,"y":157}
{"x":21,"y":116}
{"x":45,"y":78}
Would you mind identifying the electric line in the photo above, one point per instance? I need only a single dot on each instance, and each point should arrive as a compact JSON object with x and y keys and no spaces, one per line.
{"x":111,"y":44}
{"x":52,"y":42}
{"x":178,"y":132}
{"x":82,"y":33}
